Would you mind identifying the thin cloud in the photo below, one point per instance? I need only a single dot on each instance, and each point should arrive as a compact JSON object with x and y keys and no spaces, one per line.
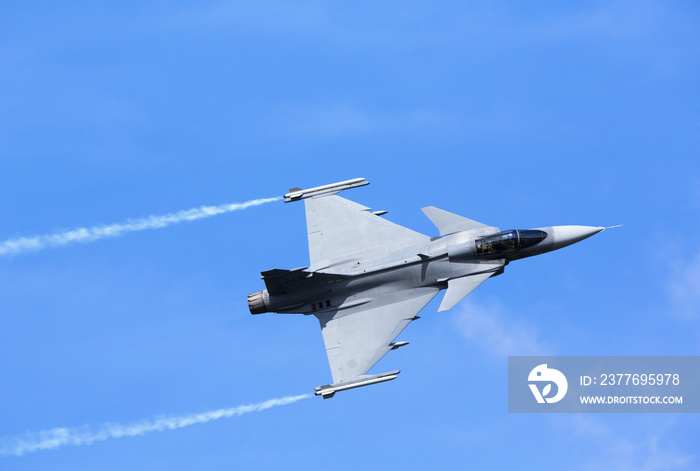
{"x":91,"y":234}
{"x":489,"y":326}
{"x":58,"y":437}
{"x":622,"y":450}
{"x":268,"y":17}
{"x":343,"y":120}
{"x":684,"y":286}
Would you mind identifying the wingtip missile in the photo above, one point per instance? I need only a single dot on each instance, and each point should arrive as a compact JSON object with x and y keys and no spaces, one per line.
{"x":329,"y":390}
{"x":296,"y":194}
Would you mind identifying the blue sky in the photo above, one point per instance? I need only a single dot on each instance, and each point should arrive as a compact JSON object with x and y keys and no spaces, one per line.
{"x":513,"y":115}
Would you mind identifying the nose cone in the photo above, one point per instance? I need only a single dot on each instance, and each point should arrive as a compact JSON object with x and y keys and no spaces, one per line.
{"x":567,"y":235}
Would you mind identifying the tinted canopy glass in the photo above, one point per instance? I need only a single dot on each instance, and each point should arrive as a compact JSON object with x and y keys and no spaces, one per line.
{"x":509,"y":241}
{"x":530,"y":237}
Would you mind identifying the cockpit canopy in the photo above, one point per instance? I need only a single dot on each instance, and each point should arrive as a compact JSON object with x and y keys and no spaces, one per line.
{"x":509,"y":241}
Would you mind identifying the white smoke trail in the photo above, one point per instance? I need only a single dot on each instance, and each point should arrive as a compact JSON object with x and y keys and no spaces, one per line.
{"x":90,"y":234}
{"x":58,"y":437}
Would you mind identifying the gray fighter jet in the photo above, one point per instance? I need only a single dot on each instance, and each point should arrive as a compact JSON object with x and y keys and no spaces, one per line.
{"x":368,"y":278}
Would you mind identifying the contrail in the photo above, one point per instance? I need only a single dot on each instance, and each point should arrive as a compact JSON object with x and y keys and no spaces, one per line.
{"x":90,"y":234}
{"x":58,"y":437}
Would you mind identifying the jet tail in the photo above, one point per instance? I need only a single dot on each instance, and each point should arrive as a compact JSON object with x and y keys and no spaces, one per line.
{"x":279,"y":281}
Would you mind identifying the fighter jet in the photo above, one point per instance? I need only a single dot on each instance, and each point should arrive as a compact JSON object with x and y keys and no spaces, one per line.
{"x":368,"y":278}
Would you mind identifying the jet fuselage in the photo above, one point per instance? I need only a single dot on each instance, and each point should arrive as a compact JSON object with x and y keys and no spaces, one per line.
{"x":352,"y":282}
